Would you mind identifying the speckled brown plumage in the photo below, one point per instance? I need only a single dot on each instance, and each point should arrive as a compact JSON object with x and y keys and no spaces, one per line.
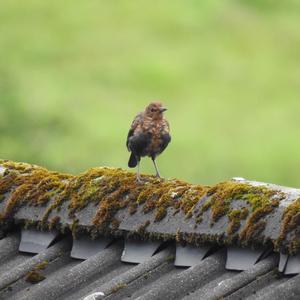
{"x":149,"y":135}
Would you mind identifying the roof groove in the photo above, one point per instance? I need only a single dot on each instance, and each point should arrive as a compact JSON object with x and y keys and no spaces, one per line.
{"x":252,"y":290}
{"x":162,"y":260}
{"x":156,"y":278}
{"x":236,"y":282}
{"x":22,"y":269}
{"x":96,"y":282}
{"x":190,"y":279}
{"x":76,"y":276}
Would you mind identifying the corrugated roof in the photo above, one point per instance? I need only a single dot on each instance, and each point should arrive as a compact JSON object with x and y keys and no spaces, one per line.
{"x":109,"y":201}
{"x":166,"y":226}
{"x":104,"y":276}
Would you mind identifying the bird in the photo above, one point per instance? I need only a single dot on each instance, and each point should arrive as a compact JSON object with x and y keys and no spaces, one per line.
{"x":149,"y":135}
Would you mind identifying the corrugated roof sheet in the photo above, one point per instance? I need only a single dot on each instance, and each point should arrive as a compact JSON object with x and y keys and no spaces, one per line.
{"x":104,"y":276}
{"x":108,"y":201}
{"x":32,"y":199}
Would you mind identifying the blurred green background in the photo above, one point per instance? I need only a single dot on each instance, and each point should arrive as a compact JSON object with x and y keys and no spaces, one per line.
{"x":73,"y":74}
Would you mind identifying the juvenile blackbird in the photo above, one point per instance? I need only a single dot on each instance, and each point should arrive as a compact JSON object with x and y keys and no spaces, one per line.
{"x":148,"y":136}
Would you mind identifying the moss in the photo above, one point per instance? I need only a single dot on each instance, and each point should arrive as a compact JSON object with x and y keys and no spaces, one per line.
{"x":35,"y":276}
{"x":291,"y":217}
{"x":252,"y":233}
{"x":115,"y":189}
{"x":74,"y":228}
{"x":109,"y":190}
{"x":142,"y":229}
{"x":191,"y":196}
{"x":233,"y":227}
{"x":133,"y":208}
{"x":7,"y":182}
{"x":290,"y":223}
{"x":294,"y":245}
{"x":255,"y":224}
{"x":235,"y":216}
{"x":155,"y":194}
{"x":223,"y":194}
{"x":199,"y":219}
{"x":175,"y":194}
{"x":42,"y":265}
{"x":161,"y":212}
{"x":118,"y":287}
{"x":27,"y":184}
{"x":170,"y":258}
{"x":206,"y":206}
{"x":115,"y":224}
{"x":258,"y":201}
{"x":54,"y":222}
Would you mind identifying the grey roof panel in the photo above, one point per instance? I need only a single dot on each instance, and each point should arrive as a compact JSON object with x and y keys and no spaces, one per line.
{"x":288,"y":290}
{"x":293,"y":265}
{"x":230,"y":285}
{"x":76,"y":276}
{"x":36,"y":241}
{"x":85,"y":247}
{"x":108,"y":201}
{"x":46,"y":201}
{"x":156,"y":278}
{"x":189,"y":255}
{"x":282,"y":262}
{"x":134,"y":276}
{"x":241,"y":259}
{"x":139,"y":251}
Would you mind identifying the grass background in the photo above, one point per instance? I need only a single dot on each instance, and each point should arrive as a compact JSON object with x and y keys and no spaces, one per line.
{"x":73,"y":74}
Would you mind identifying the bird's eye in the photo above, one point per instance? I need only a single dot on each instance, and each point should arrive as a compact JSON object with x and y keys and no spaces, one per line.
{"x":152,"y":109}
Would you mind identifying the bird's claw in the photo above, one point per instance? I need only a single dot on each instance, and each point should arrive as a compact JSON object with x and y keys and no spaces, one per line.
{"x":139,"y":179}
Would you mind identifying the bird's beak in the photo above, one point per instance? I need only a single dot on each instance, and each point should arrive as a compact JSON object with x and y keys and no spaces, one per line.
{"x":163,"y":109}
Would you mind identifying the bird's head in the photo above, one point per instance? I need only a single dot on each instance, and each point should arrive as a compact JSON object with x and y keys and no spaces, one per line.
{"x":155,"y":110}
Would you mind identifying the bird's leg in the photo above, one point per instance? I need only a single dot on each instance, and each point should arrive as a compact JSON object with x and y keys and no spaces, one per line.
{"x":138,"y":175}
{"x":156,"y":168}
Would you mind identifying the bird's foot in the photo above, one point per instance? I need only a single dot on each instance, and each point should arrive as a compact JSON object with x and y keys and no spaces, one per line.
{"x":139,"y":179}
{"x":158,"y":175}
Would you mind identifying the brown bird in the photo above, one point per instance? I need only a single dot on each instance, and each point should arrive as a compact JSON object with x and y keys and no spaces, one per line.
{"x":148,"y":136}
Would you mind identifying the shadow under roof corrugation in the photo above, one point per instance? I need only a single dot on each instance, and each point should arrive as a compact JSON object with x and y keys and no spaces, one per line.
{"x":156,"y":278}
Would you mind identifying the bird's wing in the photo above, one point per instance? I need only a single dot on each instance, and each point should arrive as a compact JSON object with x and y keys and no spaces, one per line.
{"x":166,"y":137}
{"x":165,"y":140}
{"x":137,"y":120}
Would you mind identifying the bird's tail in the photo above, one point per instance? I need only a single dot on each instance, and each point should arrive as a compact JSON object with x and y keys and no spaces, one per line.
{"x":132,"y":161}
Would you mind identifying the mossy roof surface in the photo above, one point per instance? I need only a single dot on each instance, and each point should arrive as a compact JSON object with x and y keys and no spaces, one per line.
{"x":110,"y":201}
